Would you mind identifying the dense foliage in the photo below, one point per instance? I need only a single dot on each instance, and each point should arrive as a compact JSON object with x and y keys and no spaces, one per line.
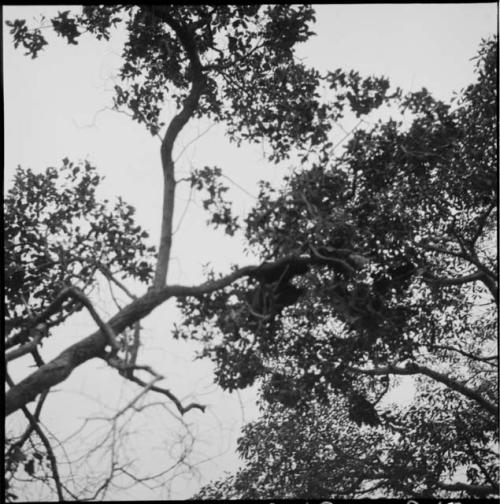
{"x":400,"y":230}
{"x":390,"y":255}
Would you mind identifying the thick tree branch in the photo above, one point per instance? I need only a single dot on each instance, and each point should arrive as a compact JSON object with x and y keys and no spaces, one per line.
{"x":411,"y":369}
{"x":190,"y":104}
{"x":94,"y":345}
{"x":454,"y":281}
{"x":482,"y":490}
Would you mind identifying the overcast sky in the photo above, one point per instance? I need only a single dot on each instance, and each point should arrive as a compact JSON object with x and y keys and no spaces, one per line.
{"x":55,"y":106}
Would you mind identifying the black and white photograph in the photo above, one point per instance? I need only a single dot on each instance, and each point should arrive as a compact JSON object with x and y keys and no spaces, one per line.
{"x":251,"y":252}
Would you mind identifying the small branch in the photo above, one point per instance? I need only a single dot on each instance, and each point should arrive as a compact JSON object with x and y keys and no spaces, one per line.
{"x":144,"y":391}
{"x":80,"y":296}
{"x":197,"y":137}
{"x":334,"y":260}
{"x":107,"y":273}
{"x":467,"y":354}
{"x":184,"y":212}
{"x":39,"y":331}
{"x":238,"y":185}
{"x":126,"y":370}
{"x":76,"y":294}
{"x":30,"y":429}
{"x":332,"y":150}
{"x":258,"y":315}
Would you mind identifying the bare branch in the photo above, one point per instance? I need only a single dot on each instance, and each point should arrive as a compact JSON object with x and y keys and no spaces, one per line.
{"x":126,"y":370}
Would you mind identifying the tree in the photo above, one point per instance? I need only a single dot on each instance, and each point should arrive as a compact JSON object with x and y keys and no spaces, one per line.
{"x":318,"y":451}
{"x":400,"y":232}
{"x":354,"y":263}
{"x":232,"y":64}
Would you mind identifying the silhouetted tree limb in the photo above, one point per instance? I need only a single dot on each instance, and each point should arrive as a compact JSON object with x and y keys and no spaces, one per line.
{"x":412,"y":369}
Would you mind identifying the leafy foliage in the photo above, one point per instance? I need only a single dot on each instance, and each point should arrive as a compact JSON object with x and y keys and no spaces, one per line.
{"x":57,"y":233}
{"x":392,"y":231}
{"x":219,"y":208}
{"x":314,"y":453}
{"x":371,"y":224}
{"x":370,"y":259}
{"x":318,"y":452}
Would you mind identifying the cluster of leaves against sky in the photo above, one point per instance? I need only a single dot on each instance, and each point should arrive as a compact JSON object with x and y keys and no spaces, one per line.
{"x":251,"y":80}
{"x":57,"y":233}
{"x":381,"y":232}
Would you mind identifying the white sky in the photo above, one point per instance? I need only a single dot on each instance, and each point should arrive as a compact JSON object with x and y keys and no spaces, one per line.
{"x":53,"y":108}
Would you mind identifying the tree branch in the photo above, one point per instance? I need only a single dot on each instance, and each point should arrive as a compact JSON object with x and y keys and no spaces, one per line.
{"x":411,"y":369}
{"x":150,"y":386}
{"x":94,"y":345}
{"x":39,"y":332}
{"x":455,"y":281}
{"x":472,"y":489}
{"x":107,"y":273}
{"x":479,"y":358}
{"x":190,"y":104}
{"x":54,"y":307}
{"x":48,"y":448}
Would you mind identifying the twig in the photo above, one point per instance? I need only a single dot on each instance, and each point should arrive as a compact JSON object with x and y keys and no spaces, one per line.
{"x":144,"y":391}
{"x":197,"y":137}
{"x":126,"y":370}
{"x":107,"y":273}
